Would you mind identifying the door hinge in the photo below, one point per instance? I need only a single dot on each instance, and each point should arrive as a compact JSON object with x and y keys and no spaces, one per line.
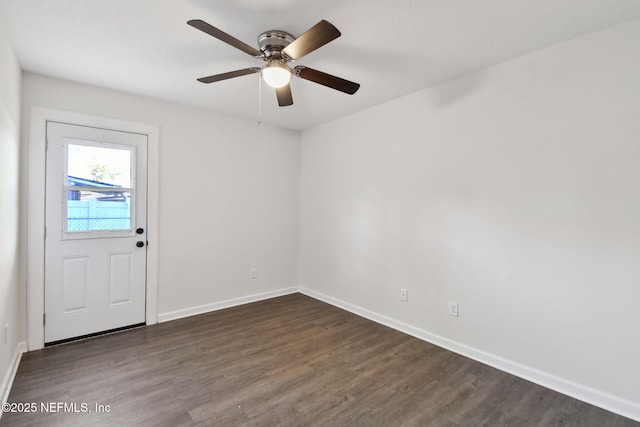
{"x":46,"y":143}
{"x":44,"y":319}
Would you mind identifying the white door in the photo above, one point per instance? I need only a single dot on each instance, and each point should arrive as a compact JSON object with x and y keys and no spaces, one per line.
{"x":95,"y":242}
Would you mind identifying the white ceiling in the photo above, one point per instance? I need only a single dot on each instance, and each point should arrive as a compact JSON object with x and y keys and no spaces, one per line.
{"x":390,"y":47}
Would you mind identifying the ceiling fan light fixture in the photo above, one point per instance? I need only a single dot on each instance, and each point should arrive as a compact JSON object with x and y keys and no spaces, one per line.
{"x":276,"y":74}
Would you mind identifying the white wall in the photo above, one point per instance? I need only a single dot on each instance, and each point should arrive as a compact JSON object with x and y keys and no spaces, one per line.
{"x":228,"y":195}
{"x":514,"y":191}
{"x":11,"y":310}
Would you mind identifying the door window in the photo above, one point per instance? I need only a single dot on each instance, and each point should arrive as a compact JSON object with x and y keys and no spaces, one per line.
{"x":99,"y":186}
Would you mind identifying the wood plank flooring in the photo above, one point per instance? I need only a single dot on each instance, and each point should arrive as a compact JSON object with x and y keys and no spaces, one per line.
{"x":288,"y":361}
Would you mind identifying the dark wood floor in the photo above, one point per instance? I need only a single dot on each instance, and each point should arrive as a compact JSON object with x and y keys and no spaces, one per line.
{"x":283,"y":362}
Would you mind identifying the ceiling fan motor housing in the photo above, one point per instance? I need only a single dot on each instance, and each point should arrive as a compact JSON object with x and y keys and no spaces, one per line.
{"x":272,"y":42}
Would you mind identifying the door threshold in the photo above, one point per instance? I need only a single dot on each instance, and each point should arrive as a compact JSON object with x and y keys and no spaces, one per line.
{"x":95,"y":334}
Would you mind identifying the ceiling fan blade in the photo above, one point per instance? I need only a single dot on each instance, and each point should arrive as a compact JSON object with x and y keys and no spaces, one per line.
{"x":327,"y":80}
{"x":222,"y":36}
{"x":318,"y":35}
{"x":284,"y":95}
{"x":229,"y":75}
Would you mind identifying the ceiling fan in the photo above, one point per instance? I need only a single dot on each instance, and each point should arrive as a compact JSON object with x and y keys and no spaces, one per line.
{"x":277,"y":49}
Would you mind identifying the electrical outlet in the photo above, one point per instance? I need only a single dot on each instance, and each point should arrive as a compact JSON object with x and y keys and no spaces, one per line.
{"x":253,"y":273}
{"x":453,"y":308}
{"x":404,"y":295}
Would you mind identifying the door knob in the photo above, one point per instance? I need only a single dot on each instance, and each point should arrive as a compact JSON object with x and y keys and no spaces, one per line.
{"x":140,"y":244}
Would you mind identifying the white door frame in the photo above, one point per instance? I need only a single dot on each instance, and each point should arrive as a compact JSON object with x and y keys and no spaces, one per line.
{"x":38,"y":118}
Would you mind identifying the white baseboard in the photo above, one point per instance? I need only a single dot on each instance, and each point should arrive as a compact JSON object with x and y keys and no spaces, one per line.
{"x":10,"y":375}
{"x":206,"y":308}
{"x":615,"y":404}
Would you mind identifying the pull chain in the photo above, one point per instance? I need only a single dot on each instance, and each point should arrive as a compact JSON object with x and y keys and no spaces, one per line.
{"x":260,"y":98}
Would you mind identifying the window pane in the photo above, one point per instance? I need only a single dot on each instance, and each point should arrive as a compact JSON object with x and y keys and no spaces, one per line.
{"x":98,"y":210}
{"x":89,"y":165}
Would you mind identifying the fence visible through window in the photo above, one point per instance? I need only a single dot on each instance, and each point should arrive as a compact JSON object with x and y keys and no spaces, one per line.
{"x":103,"y":211}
